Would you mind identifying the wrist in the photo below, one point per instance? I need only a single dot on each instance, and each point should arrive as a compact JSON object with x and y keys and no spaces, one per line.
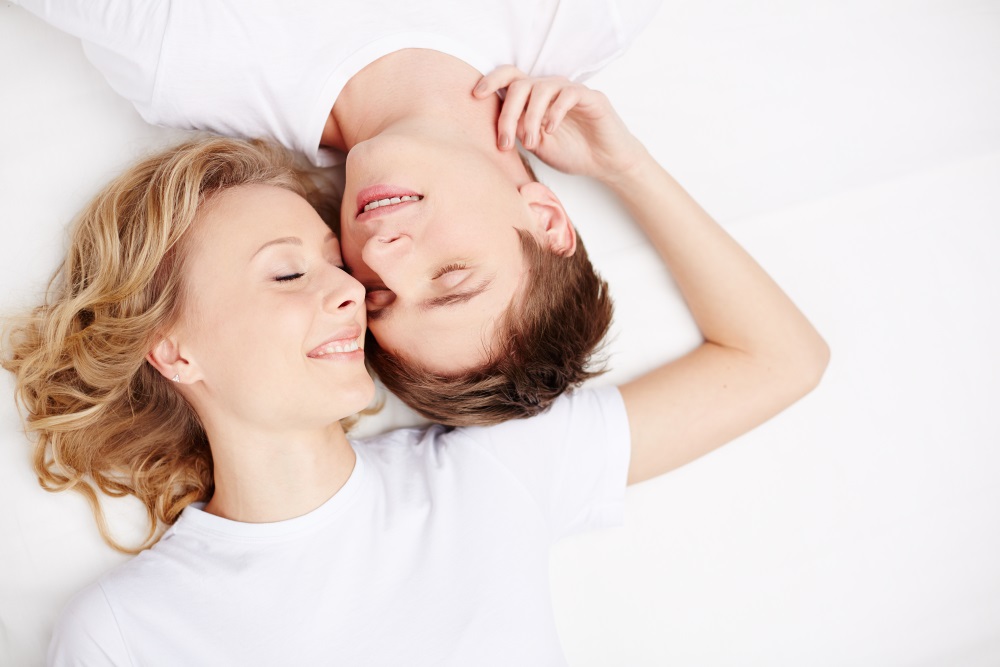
{"x":628,"y":168}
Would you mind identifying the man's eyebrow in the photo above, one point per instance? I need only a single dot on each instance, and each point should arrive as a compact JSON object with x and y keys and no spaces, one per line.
{"x":457,"y":297}
{"x":294,"y":240}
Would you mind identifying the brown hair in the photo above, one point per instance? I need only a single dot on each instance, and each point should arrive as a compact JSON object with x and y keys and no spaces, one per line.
{"x":545,"y":345}
{"x":103,"y":418}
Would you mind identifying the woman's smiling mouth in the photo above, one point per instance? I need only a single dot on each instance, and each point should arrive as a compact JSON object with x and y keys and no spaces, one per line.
{"x":344,"y":344}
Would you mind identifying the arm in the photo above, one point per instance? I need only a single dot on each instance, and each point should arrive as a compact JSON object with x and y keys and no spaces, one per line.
{"x":759,"y":354}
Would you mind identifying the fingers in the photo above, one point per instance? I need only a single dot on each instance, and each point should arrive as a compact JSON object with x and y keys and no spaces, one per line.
{"x":549,"y":100}
{"x":542,"y":93}
{"x":513,"y":104}
{"x":531,"y":105}
{"x":499,"y":78}
{"x":509,"y":124}
{"x":568,"y":98}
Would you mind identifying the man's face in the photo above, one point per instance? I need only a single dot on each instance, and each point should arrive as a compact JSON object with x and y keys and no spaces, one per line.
{"x":442,"y":264}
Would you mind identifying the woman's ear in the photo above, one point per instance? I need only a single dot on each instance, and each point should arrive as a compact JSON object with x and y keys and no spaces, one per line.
{"x":552,"y":225}
{"x":165,"y":356}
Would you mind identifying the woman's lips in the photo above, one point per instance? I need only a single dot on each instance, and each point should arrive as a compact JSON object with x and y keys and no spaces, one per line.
{"x":342,"y":343}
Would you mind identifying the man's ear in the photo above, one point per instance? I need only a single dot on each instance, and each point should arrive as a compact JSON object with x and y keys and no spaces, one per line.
{"x":165,"y":356}
{"x":552,"y":225}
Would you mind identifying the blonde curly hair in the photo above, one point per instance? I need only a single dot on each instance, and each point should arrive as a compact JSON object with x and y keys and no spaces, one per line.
{"x":102,"y":419}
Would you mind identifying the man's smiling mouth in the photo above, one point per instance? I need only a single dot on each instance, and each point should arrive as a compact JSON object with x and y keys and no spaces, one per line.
{"x":384,"y":195}
{"x":376,"y":203}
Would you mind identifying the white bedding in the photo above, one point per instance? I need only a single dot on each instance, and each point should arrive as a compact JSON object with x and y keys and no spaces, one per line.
{"x":854,"y":148}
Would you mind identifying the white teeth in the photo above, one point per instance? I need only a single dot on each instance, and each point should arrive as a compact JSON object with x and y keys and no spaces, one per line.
{"x":335,"y":348}
{"x":392,"y":200}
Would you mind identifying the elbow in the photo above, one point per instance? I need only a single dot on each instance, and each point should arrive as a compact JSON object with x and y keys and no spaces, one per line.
{"x":811,"y":363}
{"x":799,"y":364}
{"x":821,"y":360}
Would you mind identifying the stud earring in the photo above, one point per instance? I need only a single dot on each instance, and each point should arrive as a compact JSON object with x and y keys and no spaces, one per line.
{"x":176,"y":378}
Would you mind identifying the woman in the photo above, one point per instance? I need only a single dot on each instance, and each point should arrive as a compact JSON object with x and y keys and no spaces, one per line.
{"x":204,"y":279}
{"x":390,"y":82}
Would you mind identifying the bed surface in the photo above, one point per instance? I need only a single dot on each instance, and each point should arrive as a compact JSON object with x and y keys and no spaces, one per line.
{"x":854,"y":149}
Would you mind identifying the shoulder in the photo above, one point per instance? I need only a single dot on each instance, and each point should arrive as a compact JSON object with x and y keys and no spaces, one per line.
{"x":401,"y":442}
{"x":87,"y":633}
{"x":584,"y":413}
{"x":402,"y":451}
{"x":572,"y":459}
{"x":575,"y":412}
{"x":586,"y":425}
{"x":579,"y":428}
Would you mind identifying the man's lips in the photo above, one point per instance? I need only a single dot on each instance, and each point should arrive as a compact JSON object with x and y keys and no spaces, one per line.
{"x":383,"y":196}
{"x":342,"y":342}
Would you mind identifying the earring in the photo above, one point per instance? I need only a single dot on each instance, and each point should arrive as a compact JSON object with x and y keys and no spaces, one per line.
{"x":176,"y":378}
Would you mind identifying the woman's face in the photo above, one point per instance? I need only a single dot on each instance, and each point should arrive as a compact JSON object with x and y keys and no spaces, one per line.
{"x":272,"y":328}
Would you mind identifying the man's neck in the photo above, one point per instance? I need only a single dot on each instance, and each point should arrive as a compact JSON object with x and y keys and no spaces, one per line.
{"x":407,"y":87}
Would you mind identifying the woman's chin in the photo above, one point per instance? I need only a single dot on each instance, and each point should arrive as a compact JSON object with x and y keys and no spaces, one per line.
{"x":356,"y":400}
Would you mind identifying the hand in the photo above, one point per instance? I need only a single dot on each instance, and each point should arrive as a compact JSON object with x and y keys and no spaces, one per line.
{"x":567,"y":125}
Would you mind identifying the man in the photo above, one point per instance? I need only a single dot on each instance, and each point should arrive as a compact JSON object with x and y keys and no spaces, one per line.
{"x":482,"y":301}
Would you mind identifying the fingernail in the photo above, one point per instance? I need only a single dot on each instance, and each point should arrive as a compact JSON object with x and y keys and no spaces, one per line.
{"x":480,"y":87}
{"x":504,"y":141}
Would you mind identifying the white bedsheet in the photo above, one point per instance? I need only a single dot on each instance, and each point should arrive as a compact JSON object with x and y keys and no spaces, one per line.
{"x":854,"y":148}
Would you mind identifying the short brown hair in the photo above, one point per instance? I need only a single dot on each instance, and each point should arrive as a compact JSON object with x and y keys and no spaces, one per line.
{"x":546,"y":343}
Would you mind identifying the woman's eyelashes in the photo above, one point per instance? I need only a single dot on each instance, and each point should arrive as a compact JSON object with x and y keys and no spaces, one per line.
{"x":289,"y":277}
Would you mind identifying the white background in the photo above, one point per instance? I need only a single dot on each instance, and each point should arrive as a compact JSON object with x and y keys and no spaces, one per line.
{"x":854,"y":148}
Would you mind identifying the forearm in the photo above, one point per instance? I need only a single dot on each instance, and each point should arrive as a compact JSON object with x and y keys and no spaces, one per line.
{"x":734,"y":302}
{"x":760,"y":353}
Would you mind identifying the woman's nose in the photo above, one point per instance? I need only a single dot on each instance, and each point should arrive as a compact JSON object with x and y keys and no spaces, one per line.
{"x":345,"y":294}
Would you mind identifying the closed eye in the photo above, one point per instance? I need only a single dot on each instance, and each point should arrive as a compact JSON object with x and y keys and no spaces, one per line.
{"x":458,"y":297}
{"x":448,"y":269}
{"x":289,"y":277}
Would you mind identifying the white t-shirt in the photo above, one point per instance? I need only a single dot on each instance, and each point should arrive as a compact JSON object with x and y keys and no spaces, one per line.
{"x":259,"y":68}
{"x":435,"y":552}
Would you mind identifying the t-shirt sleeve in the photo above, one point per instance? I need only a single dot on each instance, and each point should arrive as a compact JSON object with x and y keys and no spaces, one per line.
{"x":572,"y":459}
{"x":587,"y":35}
{"x":87,"y":633}
{"x":122,"y":38}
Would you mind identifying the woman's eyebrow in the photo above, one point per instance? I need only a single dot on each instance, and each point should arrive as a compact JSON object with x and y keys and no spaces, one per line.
{"x":294,"y":240}
{"x":457,"y":297}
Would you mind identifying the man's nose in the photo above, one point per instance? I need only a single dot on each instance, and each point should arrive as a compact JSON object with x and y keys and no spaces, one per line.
{"x":387,"y":254}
